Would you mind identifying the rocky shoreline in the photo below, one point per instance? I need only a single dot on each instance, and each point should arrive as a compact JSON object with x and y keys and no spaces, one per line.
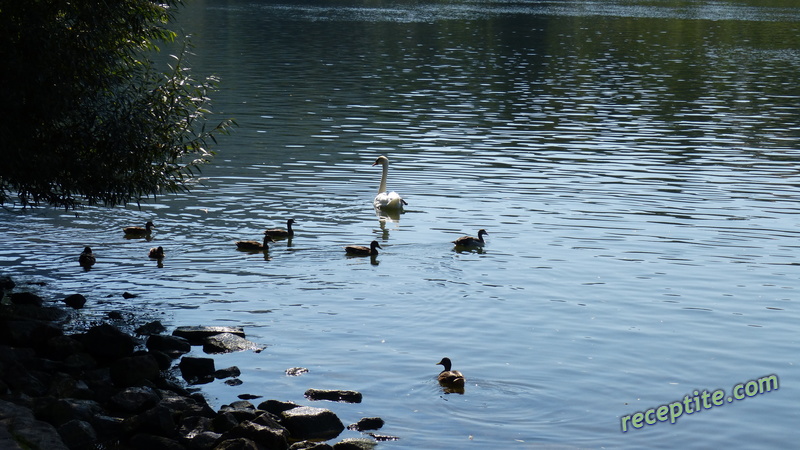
{"x":106,"y":388}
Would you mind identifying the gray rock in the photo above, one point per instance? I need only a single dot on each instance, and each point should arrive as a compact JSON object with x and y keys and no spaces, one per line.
{"x":77,"y":434}
{"x":276,"y":406}
{"x":153,"y":442}
{"x":238,"y":444}
{"x":168,"y":344}
{"x":224,"y":422}
{"x":334,"y":395}
{"x":59,"y":348}
{"x":228,"y":343}
{"x":296,"y":371}
{"x":66,"y":409}
{"x":159,"y":421}
{"x":308,"y":423}
{"x":196,"y":335}
{"x":197,"y":370}
{"x":310,"y":445}
{"x":134,"y":370}
{"x":355,"y":444}
{"x":134,"y":400}
{"x":108,"y":342}
{"x":107,"y":426}
{"x":270,"y":437}
{"x":63,"y":386}
{"x":26,"y":298}
{"x":28,"y":332}
{"x":241,"y":410}
{"x":229,"y":372}
{"x":25,"y":428}
{"x":205,"y":440}
{"x":151,"y":328}
{"x":367,"y":423}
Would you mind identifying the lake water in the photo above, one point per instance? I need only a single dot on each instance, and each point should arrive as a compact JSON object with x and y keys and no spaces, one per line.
{"x":634,"y":162}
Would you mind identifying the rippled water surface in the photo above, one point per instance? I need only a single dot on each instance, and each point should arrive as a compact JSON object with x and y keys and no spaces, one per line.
{"x":634,"y":162}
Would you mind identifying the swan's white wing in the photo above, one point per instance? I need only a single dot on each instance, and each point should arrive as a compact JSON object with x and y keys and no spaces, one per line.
{"x":388,"y":200}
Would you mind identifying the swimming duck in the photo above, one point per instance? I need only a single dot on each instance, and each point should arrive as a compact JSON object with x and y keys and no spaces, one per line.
{"x":450,"y":377}
{"x":255,"y":245}
{"x":359,"y":250}
{"x":156,"y":253}
{"x":139,"y":231}
{"x":87,"y":259}
{"x":278,"y":233}
{"x":469,"y":241}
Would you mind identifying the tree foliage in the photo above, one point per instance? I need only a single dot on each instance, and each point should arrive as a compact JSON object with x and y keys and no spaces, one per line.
{"x":84,"y":116}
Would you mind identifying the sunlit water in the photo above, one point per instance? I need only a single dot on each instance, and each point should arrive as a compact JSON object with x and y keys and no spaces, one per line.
{"x":634,"y":163}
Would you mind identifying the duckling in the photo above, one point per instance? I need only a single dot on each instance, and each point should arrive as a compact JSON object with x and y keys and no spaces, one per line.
{"x":254,"y":245}
{"x":156,"y":253}
{"x":278,"y":233}
{"x":359,"y":250}
{"x":450,"y":377}
{"x":469,"y":241}
{"x":139,"y":231}
{"x":87,"y":259}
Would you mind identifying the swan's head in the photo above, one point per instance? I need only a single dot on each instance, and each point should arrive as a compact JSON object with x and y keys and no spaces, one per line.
{"x":381,"y":160}
{"x":446,"y":363}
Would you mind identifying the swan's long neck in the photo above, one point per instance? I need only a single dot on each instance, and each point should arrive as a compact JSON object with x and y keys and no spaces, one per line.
{"x":382,"y":187}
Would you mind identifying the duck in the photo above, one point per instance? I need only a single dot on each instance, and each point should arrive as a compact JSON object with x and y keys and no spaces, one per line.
{"x":139,"y":231}
{"x":156,"y":253}
{"x":87,"y":259}
{"x":387,"y":200}
{"x":469,"y":241}
{"x":278,"y":233}
{"x":359,"y":250}
{"x":255,"y":245}
{"x":450,"y":377}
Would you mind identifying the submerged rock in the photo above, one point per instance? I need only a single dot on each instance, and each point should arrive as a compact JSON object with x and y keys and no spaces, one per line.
{"x":296,"y":371}
{"x":75,"y":301}
{"x":197,"y":335}
{"x":333,"y":395}
{"x":367,"y":423}
{"x":355,"y":444}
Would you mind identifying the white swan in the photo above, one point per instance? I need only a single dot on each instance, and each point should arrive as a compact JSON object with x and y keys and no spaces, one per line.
{"x":387,"y":200}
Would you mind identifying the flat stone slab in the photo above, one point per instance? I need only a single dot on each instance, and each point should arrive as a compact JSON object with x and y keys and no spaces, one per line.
{"x":228,"y":343}
{"x":197,"y":334}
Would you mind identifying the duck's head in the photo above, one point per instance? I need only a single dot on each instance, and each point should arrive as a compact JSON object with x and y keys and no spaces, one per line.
{"x":289,"y":222}
{"x":481,"y":232}
{"x":375,"y":244}
{"x":87,"y":250}
{"x":446,"y":363}
{"x":149,"y":225}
